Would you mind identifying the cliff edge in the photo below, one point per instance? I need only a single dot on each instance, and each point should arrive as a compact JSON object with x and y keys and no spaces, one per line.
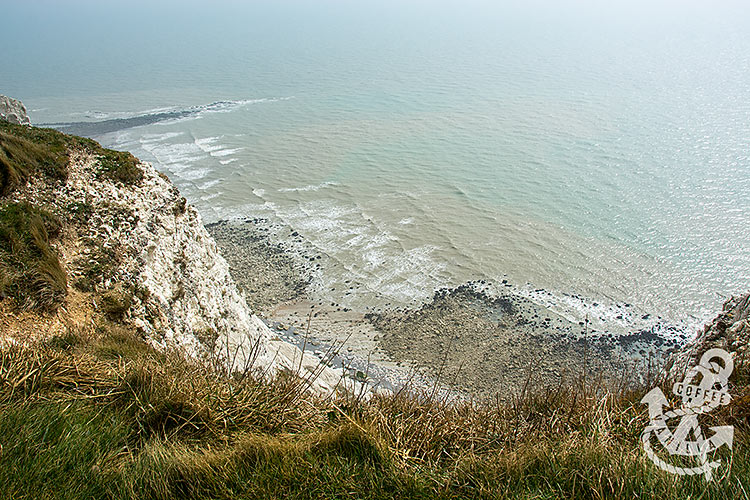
{"x":730,"y":331}
{"x":101,"y":227}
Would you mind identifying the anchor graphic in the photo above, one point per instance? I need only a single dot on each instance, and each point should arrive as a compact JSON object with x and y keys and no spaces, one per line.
{"x":698,"y":396}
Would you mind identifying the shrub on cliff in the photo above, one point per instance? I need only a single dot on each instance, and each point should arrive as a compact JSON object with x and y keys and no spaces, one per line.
{"x":30,"y":271}
{"x":120,"y":166}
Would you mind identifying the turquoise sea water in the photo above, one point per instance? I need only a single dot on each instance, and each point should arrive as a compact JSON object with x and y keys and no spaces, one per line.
{"x":599,"y":153}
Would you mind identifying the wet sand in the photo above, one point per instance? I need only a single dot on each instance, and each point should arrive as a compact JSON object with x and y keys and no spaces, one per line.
{"x":476,"y":344}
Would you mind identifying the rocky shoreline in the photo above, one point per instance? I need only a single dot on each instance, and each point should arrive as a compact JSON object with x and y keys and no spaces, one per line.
{"x":276,"y":282}
{"x":264,"y":271}
{"x":475,"y":343}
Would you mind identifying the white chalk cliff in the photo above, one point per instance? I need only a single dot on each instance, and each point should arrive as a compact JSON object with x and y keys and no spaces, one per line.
{"x":187,"y":298}
{"x":184,"y":295}
{"x":13,"y":111}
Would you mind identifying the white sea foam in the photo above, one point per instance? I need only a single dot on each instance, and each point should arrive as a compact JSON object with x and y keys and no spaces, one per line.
{"x":361,"y":250}
{"x":311,"y":187}
{"x":155,"y":138}
{"x":193,"y":174}
{"x":209,"y":184}
{"x":123,"y":140}
{"x":208,"y":144}
{"x":168,"y":154}
{"x":209,"y":197}
{"x":602,"y":315}
{"x":225,"y":152}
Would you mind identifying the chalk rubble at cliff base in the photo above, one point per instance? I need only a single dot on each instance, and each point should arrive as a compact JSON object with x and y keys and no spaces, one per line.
{"x":13,"y":111}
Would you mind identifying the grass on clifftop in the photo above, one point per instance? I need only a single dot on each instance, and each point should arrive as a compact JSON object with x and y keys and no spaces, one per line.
{"x":29,"y":151}
{"x":100,"y":414}
{"x":30,"y":271}
{"x":25,"y":152}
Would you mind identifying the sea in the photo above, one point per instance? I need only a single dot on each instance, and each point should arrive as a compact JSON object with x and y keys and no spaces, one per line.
{"x":588,"y":155}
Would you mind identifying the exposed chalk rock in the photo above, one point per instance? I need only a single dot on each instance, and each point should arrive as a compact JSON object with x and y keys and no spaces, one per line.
{"x":730,"y":331}
{"x":13,"y":111}
{"x":185,"y":296}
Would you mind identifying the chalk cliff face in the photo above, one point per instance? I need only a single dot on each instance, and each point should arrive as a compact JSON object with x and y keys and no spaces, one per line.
{"x":185,"y":296}
{"x":730,"y":331}
{"x":13,"y":111}
{"x":142,"y":240}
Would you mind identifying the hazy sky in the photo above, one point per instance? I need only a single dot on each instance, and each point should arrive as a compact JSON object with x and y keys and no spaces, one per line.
{"x":42,"y":39}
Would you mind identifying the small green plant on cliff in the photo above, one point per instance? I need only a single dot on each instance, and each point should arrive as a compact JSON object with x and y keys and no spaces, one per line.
{"x":119,"y":166}
{"x":116,"y":301}
{"x":97,"y":265}
{"x":30,"y":271}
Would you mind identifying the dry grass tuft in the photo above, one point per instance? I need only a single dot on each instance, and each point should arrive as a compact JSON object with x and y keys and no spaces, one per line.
{"x":22,"y":157}
{"x":30,"y":271}
{"x":43,"y":369}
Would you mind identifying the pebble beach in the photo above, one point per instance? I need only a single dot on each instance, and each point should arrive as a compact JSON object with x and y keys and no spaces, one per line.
{"x":464,"y":340}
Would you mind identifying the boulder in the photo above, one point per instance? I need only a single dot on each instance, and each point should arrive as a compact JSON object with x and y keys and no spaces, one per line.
{"x":13,"y":111}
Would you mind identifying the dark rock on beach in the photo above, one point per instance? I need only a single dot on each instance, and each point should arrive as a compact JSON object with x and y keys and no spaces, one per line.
{"x":263,"y":270}
{"x":478,"y":343}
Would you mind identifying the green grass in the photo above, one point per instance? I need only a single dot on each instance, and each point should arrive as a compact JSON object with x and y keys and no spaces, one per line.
{"x":24,"y":153}
{"x":28,"y":151}
{"x":119,"y":166}
{"x":76,"y":450}
{"x":55,"y":449}
{"x":100,"y":414}
{"x":30,"y":271}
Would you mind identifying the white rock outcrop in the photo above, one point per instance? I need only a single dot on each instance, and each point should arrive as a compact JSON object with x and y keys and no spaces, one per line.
{"x":729,"y":331}
{"x":13,"y":111}
{"x":187,"y":298}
